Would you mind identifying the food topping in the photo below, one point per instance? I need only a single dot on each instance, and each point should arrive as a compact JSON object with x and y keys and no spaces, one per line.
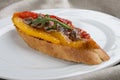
{"x":51,"y":23}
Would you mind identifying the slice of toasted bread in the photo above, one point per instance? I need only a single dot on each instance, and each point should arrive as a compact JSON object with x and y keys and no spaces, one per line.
{"x":87,"y":56}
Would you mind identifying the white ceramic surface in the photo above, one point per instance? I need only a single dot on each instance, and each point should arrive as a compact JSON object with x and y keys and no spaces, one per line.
{"x":18,"y":61}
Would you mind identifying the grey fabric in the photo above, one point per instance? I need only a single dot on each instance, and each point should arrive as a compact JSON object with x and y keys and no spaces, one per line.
{"x":112,"y":73}
{"x":107,"y":6}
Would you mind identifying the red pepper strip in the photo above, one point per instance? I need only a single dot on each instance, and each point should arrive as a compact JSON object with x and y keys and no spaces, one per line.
{"x":62,"y":20}
{"x":84,"y":34}
{"x":27,"y":14}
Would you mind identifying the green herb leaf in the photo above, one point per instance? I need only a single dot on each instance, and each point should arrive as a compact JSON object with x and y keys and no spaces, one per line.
{"x":47,"y":16}
{"x":49,"y":28}
{"x":36,"y":21}
{"x":56,"y":21}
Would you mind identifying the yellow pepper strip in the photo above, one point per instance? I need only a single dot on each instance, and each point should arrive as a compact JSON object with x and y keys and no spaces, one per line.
{"x":64,"y":40}
{"x":18,"y":22}
{"x":77,"y":44}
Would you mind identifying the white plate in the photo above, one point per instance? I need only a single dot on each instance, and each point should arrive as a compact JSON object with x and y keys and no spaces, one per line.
{"x":18,"y":61}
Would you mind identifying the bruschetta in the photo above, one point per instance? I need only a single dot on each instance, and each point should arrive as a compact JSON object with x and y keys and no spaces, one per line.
{"x":58,"y":37}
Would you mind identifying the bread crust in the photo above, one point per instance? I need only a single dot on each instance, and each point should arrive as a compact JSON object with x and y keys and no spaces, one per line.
{"x":87,"y":56}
